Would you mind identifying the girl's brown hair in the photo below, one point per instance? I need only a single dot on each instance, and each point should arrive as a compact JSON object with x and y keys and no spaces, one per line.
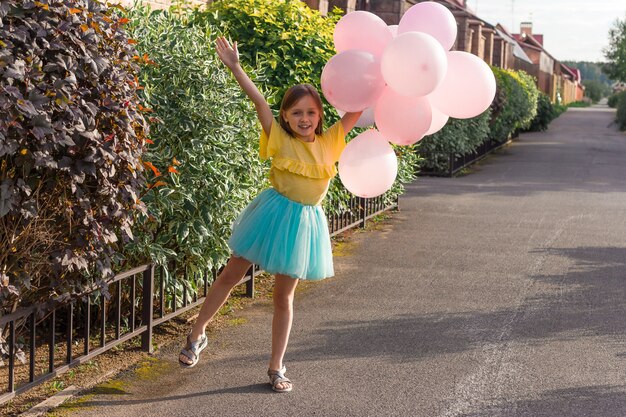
{"x":292,"y":95}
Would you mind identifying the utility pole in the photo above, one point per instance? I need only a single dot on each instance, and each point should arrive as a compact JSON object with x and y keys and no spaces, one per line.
{"x":512,"y":16}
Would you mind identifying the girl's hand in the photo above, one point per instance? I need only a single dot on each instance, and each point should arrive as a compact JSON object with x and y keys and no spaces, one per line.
{"x":227,"y":53}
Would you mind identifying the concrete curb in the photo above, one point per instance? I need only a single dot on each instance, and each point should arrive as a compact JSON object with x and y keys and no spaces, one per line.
{"x":56,"y":400}
{"x":68,"y":393}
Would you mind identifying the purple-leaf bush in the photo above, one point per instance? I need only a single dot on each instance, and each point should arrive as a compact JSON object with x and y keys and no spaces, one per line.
{"x":72,"y":133}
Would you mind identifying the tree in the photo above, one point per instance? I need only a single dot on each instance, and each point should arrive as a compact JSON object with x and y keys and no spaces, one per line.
{"x":590,"y":71}
{"x":615,"y":53}
{"x":595,"y":90}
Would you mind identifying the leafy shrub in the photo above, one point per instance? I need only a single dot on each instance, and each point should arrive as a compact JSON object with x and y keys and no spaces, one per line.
{"x":620,"y":115}
{"x":287,"y":41}
{"x":515,"y":104}
{"x":613,"y":98}
{"x":546,"y":112}
{"x":71,"y":137}
{"x":595,"y":90}
{"x":204,"y":165}
{"x":458,"y":137}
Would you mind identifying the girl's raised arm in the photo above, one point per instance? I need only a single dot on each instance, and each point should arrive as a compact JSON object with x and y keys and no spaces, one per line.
{"x":349,"y":120}
{"x":230,"y":57}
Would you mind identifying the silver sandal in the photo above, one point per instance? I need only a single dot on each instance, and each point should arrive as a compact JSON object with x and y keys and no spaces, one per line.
{"x":192,"y":350}
{"x":278,"y":377}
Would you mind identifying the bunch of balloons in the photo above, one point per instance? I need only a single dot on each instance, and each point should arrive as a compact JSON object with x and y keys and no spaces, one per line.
{"x":406,"y":80}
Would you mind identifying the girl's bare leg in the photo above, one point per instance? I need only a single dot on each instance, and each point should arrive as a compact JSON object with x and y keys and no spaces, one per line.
{"x":219,"y":291}
{"x":284,"y":290}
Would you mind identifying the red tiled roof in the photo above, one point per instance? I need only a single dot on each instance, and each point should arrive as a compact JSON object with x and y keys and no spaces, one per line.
{"x":529,"y":41}
{"x":574,"y":72}
{"x":568,"y":70}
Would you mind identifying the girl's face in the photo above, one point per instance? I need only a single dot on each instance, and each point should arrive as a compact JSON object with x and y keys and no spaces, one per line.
{"x":303,"y":118}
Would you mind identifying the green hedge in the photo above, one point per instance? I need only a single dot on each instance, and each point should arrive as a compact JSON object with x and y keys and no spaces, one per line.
{"x":203,"y":165}
{"x":515,"y":104}
{"x":284,"y":40}
{"x":579,"y":104}
{"x":458,"y":137}
{"x":612,"y":102}
{"x":620,"y":115}
{"x":546,"y":112}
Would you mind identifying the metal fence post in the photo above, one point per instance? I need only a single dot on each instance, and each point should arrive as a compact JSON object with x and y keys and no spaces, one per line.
{"x":363,"y":205}
{"x":250,"y":283}
{"x":146,"y":317}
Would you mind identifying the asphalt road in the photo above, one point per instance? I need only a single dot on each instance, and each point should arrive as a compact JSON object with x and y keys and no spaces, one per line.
{"x":500,"y":293}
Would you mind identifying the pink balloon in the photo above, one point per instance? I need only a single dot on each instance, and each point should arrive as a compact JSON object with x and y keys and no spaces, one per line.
{"x":351,"y":80}
{"x":363,"y":31}
{"x":432,"y":18}
{"x":438,"y":122}
{"x":413,"y":64}
{"x":402,"y":120}
{"x":368,"y":165}
{"x":394,"y":30}
{"x":467,"y":89}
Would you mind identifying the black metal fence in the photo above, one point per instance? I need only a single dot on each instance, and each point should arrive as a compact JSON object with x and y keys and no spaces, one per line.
{"x":455,"y":163}
{"x":139,"y":300}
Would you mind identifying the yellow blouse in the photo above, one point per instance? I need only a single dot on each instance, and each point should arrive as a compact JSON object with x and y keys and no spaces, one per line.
{"x":301,"y":171}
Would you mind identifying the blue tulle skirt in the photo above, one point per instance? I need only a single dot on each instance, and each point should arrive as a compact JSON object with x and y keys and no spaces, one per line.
{"x":284,"y":237}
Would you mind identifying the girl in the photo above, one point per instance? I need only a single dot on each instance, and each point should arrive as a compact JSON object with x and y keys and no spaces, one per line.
{"x":284,"y":228}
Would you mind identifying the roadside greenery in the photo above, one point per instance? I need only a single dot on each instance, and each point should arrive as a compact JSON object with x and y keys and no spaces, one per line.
{"x":285,"y":40}
{"x":579,"y":104}
{"x":546,"y":112}
{"x":615,"y":52}
{"x":595,"y":90}
{"x":203,"y":164}
{"x":515,"y":104}
{"x":457,"y":138}
{"x":620,"y":115}
{"x":72,"y":133}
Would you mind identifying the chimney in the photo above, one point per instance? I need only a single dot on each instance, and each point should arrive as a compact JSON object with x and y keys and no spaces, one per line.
{"x":526,"y":28}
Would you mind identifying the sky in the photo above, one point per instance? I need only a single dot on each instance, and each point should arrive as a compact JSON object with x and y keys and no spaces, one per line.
{"x":573,"y":30}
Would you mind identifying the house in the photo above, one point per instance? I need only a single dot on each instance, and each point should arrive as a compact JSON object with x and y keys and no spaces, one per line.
{"x":618,"y":87}
{"x":513,"y":55}
{"x":543,"y":68}
{"x":571,"y":84}
{"x":558,"y":81}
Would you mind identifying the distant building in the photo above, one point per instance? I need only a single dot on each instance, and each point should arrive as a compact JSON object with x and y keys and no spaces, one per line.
{"x":543,"y":62}
{"x":572,"y":87}
{"x":560,"y":82}
{"x":618,"y":87}
{"x":514,"y":56}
